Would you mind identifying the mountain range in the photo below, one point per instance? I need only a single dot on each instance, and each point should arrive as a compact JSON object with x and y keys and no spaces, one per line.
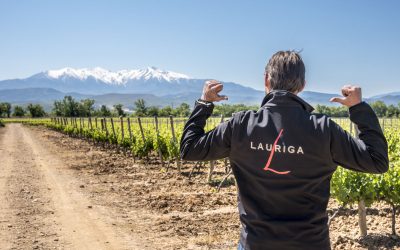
{"x":157,"y":87}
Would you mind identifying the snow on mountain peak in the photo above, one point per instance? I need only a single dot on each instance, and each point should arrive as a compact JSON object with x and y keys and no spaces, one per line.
{"x":118,"y":77}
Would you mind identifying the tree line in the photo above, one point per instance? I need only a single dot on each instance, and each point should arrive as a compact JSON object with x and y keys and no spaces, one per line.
{"x":69,"y":107}
{"x":32,"y":110}
{"x":380,"y":108}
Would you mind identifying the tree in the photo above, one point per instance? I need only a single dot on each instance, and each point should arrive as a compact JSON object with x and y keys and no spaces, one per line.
{"x":153,"y":111}
{"x":182,"y":110}
{"x":58,"y":108}
{"x":166,"y":111}
{"x":228,"y":109}
{"x":86,"y":107}
{"x":2,"y":110}
{"x":19,"y":111}
{"x":380,"y":108}
{"x":69,"y":107}
{"x":322,"y":109}
{"x":120,"y":111}
{"x":332,"y":111}
{"x":141,"y":109}
{"x":104,"y":111}
{"x":36,"y":110}
{"x":392,"y":111}
{"x":5,"y":109}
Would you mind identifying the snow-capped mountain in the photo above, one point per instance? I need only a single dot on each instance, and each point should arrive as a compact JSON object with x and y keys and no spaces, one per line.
{"x":151,"y":80}
{"x":121,"y":77}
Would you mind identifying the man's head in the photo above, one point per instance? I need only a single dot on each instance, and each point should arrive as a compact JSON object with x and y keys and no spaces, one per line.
{"x":285,"y":71}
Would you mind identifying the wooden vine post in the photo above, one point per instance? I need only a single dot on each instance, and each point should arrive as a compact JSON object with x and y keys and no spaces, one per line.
{"x":158,"y":141}
{"x":141,"y":128}
{"x":210,"y":172}
{"x":122,"y":128}
{"x":90,"y":123}
{"x":95,"y":121}
{"x":142,"y":133}
{"x":178,"y":160}
{"x":80,"y":126}
{"x":105,"y":126}
{"x":130,"y":136}
{"x":362,"y":217}
{"x":112,"y":127}
{"x":129,"y":129}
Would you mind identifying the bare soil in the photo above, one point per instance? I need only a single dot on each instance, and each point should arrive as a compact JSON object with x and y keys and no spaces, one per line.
{"x":58,"y":192}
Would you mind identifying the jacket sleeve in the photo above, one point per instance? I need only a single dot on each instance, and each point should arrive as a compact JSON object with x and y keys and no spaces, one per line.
{"x":197,"y":145}
{"x":367,"y":154}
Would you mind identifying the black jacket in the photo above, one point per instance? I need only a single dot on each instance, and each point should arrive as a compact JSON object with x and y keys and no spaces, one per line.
{"x":283,"y":158}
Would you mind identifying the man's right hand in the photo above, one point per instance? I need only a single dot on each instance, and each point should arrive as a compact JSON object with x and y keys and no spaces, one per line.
{"x":211,"y":91}
{"x":351,"y":96}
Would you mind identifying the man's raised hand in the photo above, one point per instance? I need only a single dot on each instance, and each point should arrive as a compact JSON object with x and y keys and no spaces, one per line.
{"x":351,"y":96}
{"x":210,"y":91}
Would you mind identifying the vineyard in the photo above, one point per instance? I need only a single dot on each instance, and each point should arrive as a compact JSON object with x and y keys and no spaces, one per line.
{"x":156,"y":140}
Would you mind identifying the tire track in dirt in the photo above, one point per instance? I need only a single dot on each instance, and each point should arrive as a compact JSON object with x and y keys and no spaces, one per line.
{"x":7,"y":146}
{"x":28,"y":220}
{"x":43,"y":202}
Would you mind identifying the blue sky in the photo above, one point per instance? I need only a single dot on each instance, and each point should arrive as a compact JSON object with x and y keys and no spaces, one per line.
{"x":341,"y":41}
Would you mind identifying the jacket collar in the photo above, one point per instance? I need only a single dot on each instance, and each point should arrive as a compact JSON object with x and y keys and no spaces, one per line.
{"x":286,"y":98}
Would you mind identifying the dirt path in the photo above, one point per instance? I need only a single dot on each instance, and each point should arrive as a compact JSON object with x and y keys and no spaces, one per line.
{"x":41,"y":206}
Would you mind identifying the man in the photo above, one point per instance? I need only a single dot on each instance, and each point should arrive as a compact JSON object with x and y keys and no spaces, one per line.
{"x":283,"y":157}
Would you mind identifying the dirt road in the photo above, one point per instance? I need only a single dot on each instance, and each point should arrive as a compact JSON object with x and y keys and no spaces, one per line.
{"x":41,"y":206}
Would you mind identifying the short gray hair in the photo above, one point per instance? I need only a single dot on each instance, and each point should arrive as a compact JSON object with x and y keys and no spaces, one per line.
{"x":286,"y":71}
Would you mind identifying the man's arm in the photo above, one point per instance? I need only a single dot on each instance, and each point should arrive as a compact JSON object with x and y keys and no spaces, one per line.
{"x":195,"y":143}
{"x":369,"y":153}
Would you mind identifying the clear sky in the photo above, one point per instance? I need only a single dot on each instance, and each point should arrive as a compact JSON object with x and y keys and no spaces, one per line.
{"x":342,"y":41}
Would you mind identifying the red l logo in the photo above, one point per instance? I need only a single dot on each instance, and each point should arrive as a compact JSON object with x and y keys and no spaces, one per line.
{"x":271,"y":155}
